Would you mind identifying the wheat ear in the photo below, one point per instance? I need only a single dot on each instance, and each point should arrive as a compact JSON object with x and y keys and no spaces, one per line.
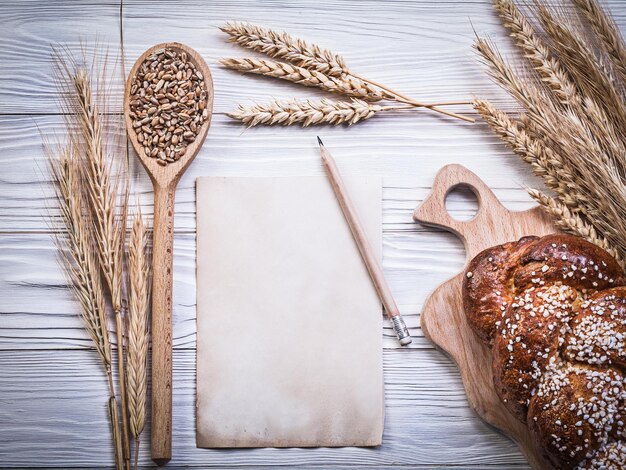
{"x":535,"y":50}
{"x":533,"y":151}
{"x":541,"y":109}
{"x":138,"y":336}
{"x":281,"y":45}
{"x":572,"y":141}
{"x":537,"y":103}
{"x":609,"y":34}
{"x":579,"y":148}
{"x":554,"y":74}
{"x":583,"y":120}
{"x":352,"y":87}
{"x":573,"y":223}
{"x":309,"y":112}
{"x":80,"y":263}
{"x":590,"y":75}
{"x":76,"y":248}
{"x":603,"y":183}
{"x":109,"y":224}
{"x":109,"y":227}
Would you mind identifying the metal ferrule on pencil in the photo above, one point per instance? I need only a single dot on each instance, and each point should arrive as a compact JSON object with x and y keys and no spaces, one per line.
{"x":401,"y":330}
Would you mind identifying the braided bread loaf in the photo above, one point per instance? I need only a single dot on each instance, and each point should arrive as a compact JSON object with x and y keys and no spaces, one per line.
{"x":553,"y":310}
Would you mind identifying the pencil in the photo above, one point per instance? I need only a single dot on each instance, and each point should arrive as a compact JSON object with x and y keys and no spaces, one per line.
{"x":365,"y":248}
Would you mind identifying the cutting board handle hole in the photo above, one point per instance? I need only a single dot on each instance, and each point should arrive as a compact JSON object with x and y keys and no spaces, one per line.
{"x":461,"y":202}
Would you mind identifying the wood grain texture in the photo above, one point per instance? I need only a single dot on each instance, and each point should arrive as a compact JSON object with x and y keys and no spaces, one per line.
{"x":443,"y":319}
{"x":51,"y":410}
{"x":414,"y":264}
{"x":406,"y":150}
{"x":161,"y":315}
{"x":54,"y":402}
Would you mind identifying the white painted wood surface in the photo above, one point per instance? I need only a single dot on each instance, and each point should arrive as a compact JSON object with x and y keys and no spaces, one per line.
{"x":52,"y":395}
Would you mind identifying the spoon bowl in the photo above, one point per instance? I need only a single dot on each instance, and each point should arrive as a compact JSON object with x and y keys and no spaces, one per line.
{"x":165,"y":177}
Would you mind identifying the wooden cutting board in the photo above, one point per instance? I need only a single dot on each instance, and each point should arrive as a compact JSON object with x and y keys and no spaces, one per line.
{"x":443,"y":319}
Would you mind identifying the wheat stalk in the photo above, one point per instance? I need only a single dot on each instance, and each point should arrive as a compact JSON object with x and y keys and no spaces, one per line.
{"x":538,"y":104}
{"x":395,"y":96}
{"x":108,"y":221}
{"x":76,"y":249}
{"x":609,"y":34}
{"x":535,"y":50}
{"x":352,"y":87}
{"x":77,"y":256}
{"x":281,"y":45}
{"x":347,"y":85}
{"x":533,"y":151}
{"x":320,"y":67}
{"x":571,"y":132}
{"x":554,"y":74}
{"x":587,"y":70}
{"x":573,"y":223}
{"x":138,"y":337}
{"x":309,"y":112}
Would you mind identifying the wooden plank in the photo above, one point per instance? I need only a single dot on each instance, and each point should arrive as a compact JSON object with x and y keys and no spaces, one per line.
{"x":27,"y":31}
{"x":407,"y":151}
{"x":221,"y":465}
{"x":59,"y":396}
{"x":39,"y":311}
{"x":147,"y":466}
{"x":420,"y":48}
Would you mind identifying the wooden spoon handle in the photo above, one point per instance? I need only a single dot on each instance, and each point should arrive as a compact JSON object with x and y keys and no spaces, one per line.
{"x":163,"y":248}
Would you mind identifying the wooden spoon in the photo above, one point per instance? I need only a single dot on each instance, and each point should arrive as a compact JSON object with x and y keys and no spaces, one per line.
{"x":164,"y":180}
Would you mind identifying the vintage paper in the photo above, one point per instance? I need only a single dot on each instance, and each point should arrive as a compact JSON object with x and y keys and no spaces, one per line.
{"x":288,"y":322}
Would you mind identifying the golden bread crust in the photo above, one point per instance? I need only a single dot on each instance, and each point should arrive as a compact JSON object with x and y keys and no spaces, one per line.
{"x":553,"y":310}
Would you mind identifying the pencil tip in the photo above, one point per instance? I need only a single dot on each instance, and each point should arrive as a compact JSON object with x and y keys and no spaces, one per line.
{"x":320,"y":140}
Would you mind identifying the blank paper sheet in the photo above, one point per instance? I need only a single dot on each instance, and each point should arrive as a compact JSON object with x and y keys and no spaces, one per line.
{"x":289,"y":326}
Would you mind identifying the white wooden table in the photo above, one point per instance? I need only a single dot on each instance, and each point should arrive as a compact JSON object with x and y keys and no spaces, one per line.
{"x":52,"y":390}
